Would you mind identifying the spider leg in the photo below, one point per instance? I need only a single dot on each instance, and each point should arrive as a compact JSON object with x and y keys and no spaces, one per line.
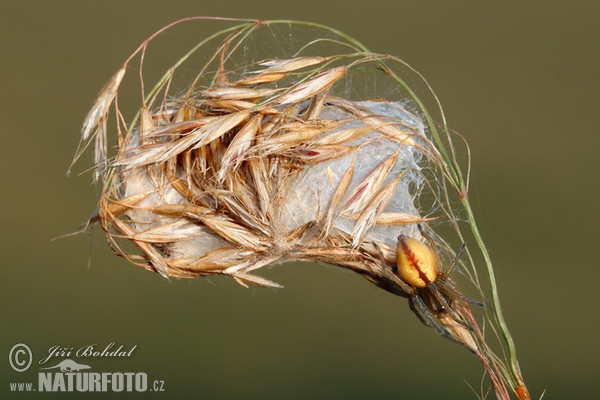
{"x":448,"y":288}
{"x":430,"y":241}
{"x":381,"y":255}
{"x":444,"y":274}
{"x":454,"y":262}
{"x":426,"y":236}
{"x":418,"y":306}
{"x":393,"y":282}
{"x":446,"y":307}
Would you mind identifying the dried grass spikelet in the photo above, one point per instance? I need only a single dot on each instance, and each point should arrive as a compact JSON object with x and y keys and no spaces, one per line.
{"x":266,"y":159}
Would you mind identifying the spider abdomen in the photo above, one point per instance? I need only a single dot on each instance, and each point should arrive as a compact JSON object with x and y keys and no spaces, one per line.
{"x":416,"y":262}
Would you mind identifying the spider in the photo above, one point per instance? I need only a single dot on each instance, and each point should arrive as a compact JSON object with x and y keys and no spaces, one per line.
{"x":430,"y":292}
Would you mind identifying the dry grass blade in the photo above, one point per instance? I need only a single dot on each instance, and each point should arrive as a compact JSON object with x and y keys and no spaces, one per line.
{"x":214,"y":261}
{"x":337,"y":197}
{"x":369,"y":186}
{"x":154,"y":257}
{"x":99,"y":110}
{"x":219,"y":127}
{"x":293,"y":138}
{"x":169,"y":232}
{"x":397,"y":130}
{"x":316,"y":155}
{"x":368,"y":217}
{"x":306,"y":89}
{"x":117,"y":208}
{"x":237,"y":93}
{"x":248,"y":279}
{"x":343,"y":136}
{"x":233,"y":233}
{"x":260,"y":79}
{"x":385,"y":219}
{"x":289,"y":65}
{"x":146,"y":123}
{"x":237,"y":150}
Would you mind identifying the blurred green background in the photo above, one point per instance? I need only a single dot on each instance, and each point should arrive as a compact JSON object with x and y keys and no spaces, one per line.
{"x":518,"y":79}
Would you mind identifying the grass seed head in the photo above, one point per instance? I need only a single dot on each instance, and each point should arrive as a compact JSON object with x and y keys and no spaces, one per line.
{"x":260,"y":160}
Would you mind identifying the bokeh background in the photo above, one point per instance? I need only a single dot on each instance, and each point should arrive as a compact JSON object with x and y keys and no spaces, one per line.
{"x":518,"y":79}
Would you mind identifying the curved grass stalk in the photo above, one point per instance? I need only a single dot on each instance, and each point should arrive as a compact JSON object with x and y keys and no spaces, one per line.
{"x":461,"y":185}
